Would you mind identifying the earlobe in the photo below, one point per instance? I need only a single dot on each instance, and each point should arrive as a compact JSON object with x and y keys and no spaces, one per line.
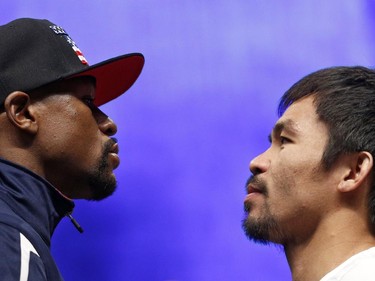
{"x":17,"y":108}
{"x":358,"y":172}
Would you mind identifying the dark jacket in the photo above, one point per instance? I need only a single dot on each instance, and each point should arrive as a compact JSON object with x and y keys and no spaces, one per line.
{"x":30,"y":209}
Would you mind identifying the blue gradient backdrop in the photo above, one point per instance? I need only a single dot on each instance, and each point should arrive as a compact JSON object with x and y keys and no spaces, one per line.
{"x":202,"y":108}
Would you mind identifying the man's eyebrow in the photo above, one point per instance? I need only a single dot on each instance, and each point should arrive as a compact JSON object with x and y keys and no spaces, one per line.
{"x":286,"y":125}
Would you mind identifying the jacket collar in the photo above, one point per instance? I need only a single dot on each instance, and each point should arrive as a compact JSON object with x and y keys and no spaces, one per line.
{"x":33,"y":198}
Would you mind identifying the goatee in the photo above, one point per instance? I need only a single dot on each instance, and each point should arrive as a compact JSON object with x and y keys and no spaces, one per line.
{"x":102,"y":183}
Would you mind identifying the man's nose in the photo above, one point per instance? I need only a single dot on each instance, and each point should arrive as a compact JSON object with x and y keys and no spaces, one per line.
{"x":259,"y":164}
{"x":106,"y":124}
{"x":108,"y":127}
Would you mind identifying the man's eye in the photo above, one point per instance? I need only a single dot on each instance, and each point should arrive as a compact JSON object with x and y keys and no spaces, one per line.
{"x":284,"y":140}
{"x":89,"y":101}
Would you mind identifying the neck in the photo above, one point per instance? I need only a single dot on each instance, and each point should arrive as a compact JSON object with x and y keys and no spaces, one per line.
{"x":326,"y":249}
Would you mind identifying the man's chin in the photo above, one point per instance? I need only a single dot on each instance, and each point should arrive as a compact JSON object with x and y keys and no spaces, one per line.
{"x":262,"y":231}
{"x":253,"y":232}
{"x":102,"y":193}
{"x":102,"y":186}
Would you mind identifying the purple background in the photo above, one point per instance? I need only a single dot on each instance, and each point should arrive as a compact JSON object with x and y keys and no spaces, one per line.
{"x":201,"y":109}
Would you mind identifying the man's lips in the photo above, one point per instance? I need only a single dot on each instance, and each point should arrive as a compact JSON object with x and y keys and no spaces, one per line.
{"x":114,"y":149}
{"x":252,"y":192}
{"x":251,"y":188}
{"x":113,"y":153}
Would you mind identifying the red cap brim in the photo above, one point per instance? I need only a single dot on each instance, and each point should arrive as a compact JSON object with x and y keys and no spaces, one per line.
{"x":114,"y":76}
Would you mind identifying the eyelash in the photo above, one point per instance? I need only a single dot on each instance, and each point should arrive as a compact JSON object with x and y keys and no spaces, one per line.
{"x":283,"y":140}
{"x":89,"y":101}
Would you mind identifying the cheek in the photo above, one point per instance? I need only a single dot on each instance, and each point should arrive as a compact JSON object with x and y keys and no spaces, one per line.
{"x":294,"y":172}
{"x":283,"y":181}
{"x":300,"y":160}
{"x":296,"y":186}
{"x":71,"y":132}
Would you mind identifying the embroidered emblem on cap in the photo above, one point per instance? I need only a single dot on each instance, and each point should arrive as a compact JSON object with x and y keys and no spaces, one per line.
{"x":60,"y":31}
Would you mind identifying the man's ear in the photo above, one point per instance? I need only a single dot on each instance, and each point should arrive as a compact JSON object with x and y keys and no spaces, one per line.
{"x":359,"y":170}
{"x":17,"y":108}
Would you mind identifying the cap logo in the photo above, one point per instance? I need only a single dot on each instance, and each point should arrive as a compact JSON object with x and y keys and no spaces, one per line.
{"x":60,"y":31}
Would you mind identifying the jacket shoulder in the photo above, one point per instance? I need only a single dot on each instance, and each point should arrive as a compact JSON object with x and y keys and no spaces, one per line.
{"x":20,"y":259}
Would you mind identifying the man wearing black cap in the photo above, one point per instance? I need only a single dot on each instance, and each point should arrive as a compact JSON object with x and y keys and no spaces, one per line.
{"x":56,"y":145}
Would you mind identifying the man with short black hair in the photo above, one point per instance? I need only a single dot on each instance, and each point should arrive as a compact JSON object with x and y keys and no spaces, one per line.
{"x":56,"y":144}
{"x":313,"y":189}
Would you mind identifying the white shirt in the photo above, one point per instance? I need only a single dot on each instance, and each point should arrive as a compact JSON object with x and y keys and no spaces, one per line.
{"x":360,"y":267}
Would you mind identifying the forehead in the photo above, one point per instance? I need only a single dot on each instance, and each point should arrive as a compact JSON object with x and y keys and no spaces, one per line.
{"x":80,"y":86}
{"x":301,"y":118}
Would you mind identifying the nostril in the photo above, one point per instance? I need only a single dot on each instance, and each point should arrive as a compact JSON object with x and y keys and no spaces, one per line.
{"x":108,"y":127}
{"x":256,"y":171}
{"x":110,"y":132}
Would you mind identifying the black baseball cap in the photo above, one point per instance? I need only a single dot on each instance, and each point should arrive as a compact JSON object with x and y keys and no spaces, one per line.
{"x":36,"y":52}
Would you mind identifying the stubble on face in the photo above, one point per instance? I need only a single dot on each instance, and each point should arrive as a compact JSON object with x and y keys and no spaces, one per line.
{"x":101,"y":180}
{"x":263,"y":229}
{"x":292,"y":174}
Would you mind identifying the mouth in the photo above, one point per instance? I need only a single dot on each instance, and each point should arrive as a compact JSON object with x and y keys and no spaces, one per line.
{"x":113,"y":155}
{"x":253,"y":191}
{"x":114,"y":148}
